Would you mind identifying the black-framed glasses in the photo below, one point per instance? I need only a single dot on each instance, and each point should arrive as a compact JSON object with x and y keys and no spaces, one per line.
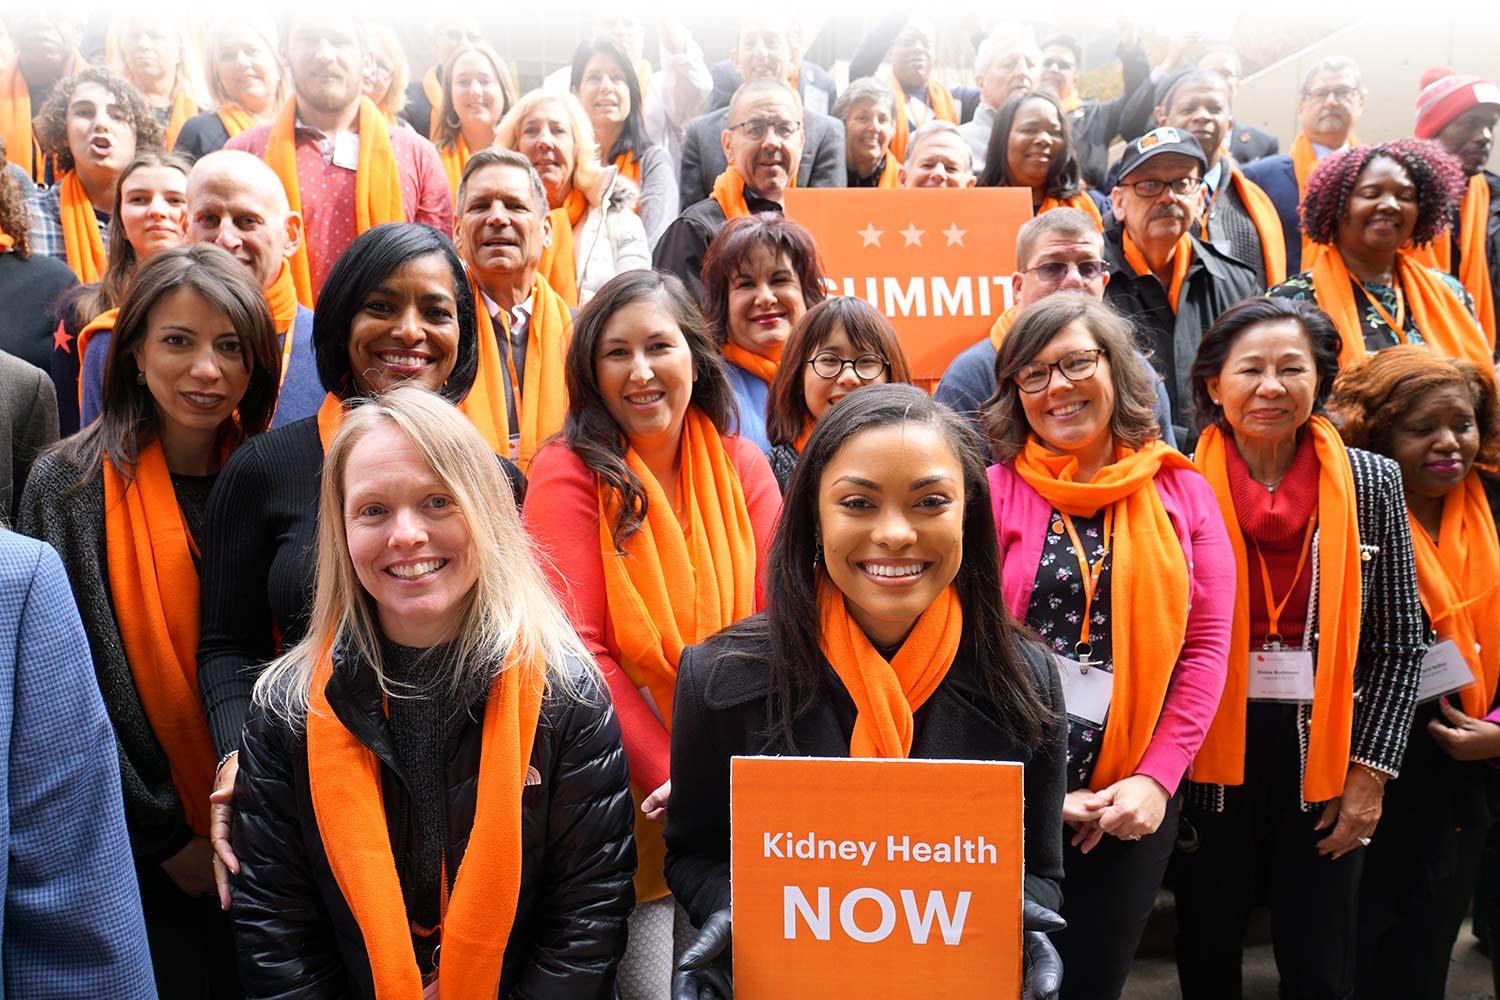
{"x":1075,"y":367}
{"x":1054,"y":271}
{"x":757,"y":128}
{"x":1339,"y":95}
{"x":867,"y":367}
{"x":1151,"y":187}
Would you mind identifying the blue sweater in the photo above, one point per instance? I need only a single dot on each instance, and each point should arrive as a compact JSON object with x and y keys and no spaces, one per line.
{"x":751,"y":394}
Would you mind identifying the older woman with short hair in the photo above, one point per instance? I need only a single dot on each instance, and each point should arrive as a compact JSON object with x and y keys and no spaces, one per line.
{"x":1323,"y":666}
{"x":867,"y":107}
{"x":1439,"y":420}
{"x":1114,"y":551}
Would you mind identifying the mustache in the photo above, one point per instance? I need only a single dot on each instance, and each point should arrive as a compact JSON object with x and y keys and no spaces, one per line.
{"x":1167,"y":212}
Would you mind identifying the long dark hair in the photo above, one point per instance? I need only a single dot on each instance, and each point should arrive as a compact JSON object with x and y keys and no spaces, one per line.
{"x":1064,"y":174}
{"x":590,"y":430}
{"x":368,"y":261}
{"x":792,"y":622}
{"x":127,"y":416}
{"x":632,"y":137}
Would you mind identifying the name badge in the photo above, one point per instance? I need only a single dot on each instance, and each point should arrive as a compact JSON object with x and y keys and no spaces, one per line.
{"x":1281,"y":675}
{"x":1086,"y":693}
{"x":346,"y":150}
{"x":1444,"y":670}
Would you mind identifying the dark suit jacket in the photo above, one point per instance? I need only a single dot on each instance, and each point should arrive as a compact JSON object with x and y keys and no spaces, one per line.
{"x":703,"y":154}
{"x":1248,"y":144}
{"x":28,"y":423}
{"x":1278,"y":180}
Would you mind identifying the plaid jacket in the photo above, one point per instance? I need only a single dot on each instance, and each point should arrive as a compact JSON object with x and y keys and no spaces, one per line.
{"x":46,"y":224}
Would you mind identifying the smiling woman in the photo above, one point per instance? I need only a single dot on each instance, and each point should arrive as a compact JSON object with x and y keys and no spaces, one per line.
{"x":1032,"y":147}
{"x":193,"y":372}
{"x":245,"y":78}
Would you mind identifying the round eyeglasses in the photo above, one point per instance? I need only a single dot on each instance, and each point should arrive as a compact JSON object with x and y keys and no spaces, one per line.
{"x":867,"y":367}
{"x":1075,"y":367}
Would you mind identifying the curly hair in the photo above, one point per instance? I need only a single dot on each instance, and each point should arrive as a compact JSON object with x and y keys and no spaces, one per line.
{"x":732,"y":247}
{"x":1436,"y":173}
{"x":15,"y":221}
{"x":1370,"y":396}
{"x":51,"y":122}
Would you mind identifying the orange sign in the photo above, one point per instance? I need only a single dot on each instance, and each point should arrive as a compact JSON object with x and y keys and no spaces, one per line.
{"x":875,"y":878}
{"x":936,"y":261}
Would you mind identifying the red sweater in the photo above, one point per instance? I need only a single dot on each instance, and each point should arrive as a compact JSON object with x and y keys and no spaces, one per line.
{"x":1277,"y":523}
{"x":562,"y":517}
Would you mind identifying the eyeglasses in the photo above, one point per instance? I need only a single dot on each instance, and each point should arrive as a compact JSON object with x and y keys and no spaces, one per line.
{"x":1057,"y":64}
{"x":1151,"y":187}
{"x":1075,"y":367}
{"x":867,"y":367}
{"x":1339,"y":95}
{"x":1054,"y":271}
{"x":756,"y":128}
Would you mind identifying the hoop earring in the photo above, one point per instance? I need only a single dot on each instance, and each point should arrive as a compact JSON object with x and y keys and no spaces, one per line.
{"x":140,"y":377}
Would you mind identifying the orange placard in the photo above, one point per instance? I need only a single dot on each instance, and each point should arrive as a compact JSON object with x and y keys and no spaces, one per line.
{"x":875,"y":878}
{"x":936,"y":261}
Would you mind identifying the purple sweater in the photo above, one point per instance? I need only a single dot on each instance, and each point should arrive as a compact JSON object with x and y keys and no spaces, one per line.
{"x":1192,"y":699}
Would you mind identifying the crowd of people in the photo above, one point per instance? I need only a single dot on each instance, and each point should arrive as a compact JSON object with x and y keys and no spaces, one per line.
{"x":415,"y":480}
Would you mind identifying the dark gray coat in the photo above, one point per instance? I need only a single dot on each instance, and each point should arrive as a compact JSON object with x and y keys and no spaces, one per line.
{"x":703,"y":159}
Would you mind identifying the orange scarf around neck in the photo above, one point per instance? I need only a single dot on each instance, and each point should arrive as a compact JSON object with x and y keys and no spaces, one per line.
{"x":629,"y":167}
{"x":344,"y":780}
{"x":282,"y":298}
{"x":1182,"y":259}
{"x":377,"y":181}
{"x":103,"y":321}
{"x":1002,"y":325}
{"x":7,"y":243}
{"x":235,"y":119}
{"x":432,"y":89}
{"x":937,"y":98}
{"x":1149,"y":590}
{"x":1458,"y":578}
{"x":154,"y":585}
{"x":1267,"y":223}
{"x":1446,"y":325}
{"x":888,"y":693}
{"x":762,"y":366}
{"x":1473,"y":219}
{"x":454,"y":159}
{"x":559,"y":264}
{"x":800,"y":441}
{"x":1221,"y":759}
{"x":1080,"y":201}
{"x":541,"y":391}
{"x":890,"y":173}
{"x":183,"y":108}
{"x":330,"y":419}
{"x":15,"y":122}
{"x":81,"y":237}
{"x":729,"y":192}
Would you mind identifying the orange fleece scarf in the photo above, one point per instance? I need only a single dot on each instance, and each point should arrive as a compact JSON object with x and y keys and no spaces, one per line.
{"x":454,"y":159}
{"x":1473,"y":218}
{"x":1458,"y":578}
{"x":1221,"y":760}
{"x":345,"y":784}
{"x":1148,"y":593}
{"x":1447,"y":326}
{"x":938,"y":99}
{"x":629,"y":167}
{"x":888,"y":693}
{"x":1080,"y":201}
{"x":1002,"y":326}
{"x":729,"y":192}
{"x":762,"y":366}
{"x":890,"y":173}
{"x":377,"y":182}
{"x":432,"y":88}
{"x":1182,"y":259}
{"x":183,"y":108}
{"x":1267,"y":223}
{"x":81,"y":237}
{"x":542,"y":392}
{"x":559,"y":264}
{"x":330,"y":419}
{"x":1304,"y":162}
{"x":235,"y":119}
{"x":154,"y":586}
{"x":103,"y":321}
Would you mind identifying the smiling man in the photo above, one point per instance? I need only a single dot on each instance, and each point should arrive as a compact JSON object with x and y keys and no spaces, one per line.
{"x":1007,"y":65}
{"x":937,"y":157}
{"x":762,"y":147}
{"x":1171,"y":285}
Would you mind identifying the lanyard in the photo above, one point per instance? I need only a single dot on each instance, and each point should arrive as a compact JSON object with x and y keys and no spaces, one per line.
{"x":1090,"y":579}
{"x":1273,"y":611}
{"x":1396,"y":323}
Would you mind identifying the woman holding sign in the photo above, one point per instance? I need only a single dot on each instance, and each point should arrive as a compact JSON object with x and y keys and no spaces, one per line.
{"x":1323,"y":667}
{"x":1436,"y":418}
{"x":882,"y":638}
{"x":1113,"y":549}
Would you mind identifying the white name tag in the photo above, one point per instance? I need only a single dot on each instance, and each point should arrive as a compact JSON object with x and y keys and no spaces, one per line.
{"x":1086,"y":693}
{"x":1281,"y":675}
{"x":1444,"y":670}
{"x":346,"y":150}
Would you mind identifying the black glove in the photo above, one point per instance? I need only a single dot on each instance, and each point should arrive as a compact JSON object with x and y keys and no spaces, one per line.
{"x":706,"y":971}
{"x":1042,"y":977}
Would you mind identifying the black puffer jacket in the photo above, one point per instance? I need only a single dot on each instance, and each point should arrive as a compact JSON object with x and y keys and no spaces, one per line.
{"x":297,"y":937}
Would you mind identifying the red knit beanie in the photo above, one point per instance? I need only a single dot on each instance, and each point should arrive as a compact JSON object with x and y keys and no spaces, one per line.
{"x":1445,"y":95}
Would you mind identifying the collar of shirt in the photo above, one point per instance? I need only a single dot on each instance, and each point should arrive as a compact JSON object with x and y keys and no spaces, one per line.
{"x":1211,"y":179}
{"x":519,"y":316}
{"x":1321,"y":150}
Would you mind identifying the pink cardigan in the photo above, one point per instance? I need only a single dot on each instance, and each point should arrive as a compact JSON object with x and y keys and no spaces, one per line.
{"x":1021,"y":517}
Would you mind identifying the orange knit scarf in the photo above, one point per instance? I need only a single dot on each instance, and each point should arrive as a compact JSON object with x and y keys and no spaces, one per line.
{"x":1182,"y":259}
{"x":1221,"y":760}
{"x":377,"y":181}
{"x":345,"y":784}
{"x":1149,"y":590}
{"x":1080,"y":201}
{"x":103,"y":321}
{"x":762,"y":366}
{"x":153,"y":583}
{"x":559,"y":264}
{"x":938,"y":99}
{"x":454,"y":159}
{"x":1473,"y":218}
{"x":1458,"y":578}
{"x":888,"y":693}
{"x":81,"y":237}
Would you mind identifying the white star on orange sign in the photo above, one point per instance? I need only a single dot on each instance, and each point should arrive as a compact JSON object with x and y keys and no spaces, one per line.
{"x":954,"y":234}
{"x":870,"y":234}
{"x":912,"y":235}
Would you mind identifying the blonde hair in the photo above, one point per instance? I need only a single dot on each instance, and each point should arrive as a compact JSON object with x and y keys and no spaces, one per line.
{"x":512,"y":614}
{"x":265,"y":30}
{"x":381,"y":39}
{"x":187,"y":74}
{"x":586,"y":165}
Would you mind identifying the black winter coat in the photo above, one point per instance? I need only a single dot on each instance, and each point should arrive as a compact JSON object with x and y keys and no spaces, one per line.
{"x":721,"y":711}
{"x":297,"y":937}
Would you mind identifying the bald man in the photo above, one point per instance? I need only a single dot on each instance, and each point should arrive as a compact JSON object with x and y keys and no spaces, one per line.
{"x":237,"y":202}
